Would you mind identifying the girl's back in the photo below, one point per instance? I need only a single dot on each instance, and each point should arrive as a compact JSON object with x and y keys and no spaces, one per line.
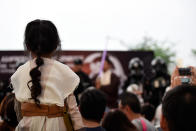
{"x":42,"y":84}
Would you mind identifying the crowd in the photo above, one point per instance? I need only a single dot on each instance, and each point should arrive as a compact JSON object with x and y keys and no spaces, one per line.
{"x":50,"y":96}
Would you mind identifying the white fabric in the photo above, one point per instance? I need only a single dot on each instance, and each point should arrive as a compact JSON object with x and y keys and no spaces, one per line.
{"x":134,"y":88}
{"x":57,"y":80}
{"x":158,"y":114}
{"x":43,"y":123}
{"x":137,"y":90}
{"x":106,"y":78}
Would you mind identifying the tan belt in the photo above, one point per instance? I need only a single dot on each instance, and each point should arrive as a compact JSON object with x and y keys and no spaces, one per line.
{"x":31,"y":109}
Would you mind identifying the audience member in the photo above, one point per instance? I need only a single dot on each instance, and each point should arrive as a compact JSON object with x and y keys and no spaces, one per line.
{"x":179,"y":109}
{"x":181,"y":75}
{"x":157,"y":116}
{"x":92,"y":107}
{"x":8,"y":114}
{"x":108,"y":82}
{"x":85,"y":81}
{"x":148,"y":111}
{"x":42,"y":84}
{"x":117,"y":121}
{"x":130,"y":105}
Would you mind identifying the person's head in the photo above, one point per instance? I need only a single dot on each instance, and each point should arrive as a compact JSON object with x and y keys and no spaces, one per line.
{"x":136,"y":67}
{"x":107,"y":64}
{"x":148,"y":111}
{"x":92,"y":105}
{"x":179,"y":109}
{"x":117,"y":121}
{"x":77,"y":65}
{"x":159,"y":66}
{"x":129,"y":104}
{"x":8,"y":113}
{"x":41,"y":39}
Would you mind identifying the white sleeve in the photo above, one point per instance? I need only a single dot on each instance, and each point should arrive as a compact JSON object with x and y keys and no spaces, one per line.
{"x":74,"y":112}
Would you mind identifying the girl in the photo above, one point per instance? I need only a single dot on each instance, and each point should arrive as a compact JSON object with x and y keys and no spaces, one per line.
{"x":42,"y":84}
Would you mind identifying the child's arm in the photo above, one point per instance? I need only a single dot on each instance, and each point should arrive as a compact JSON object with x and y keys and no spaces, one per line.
{"x":74,"y":112}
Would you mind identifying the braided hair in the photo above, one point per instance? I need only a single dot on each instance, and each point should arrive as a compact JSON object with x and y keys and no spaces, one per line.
{"x":41,"y":38}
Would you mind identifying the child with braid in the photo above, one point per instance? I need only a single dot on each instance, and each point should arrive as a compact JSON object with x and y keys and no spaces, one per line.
{"x":42,"y":84}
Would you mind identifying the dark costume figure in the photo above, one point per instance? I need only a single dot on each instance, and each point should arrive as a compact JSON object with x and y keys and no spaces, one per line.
{"x":136,"y":79}
{"x":159,"y":81}
{"x":85,"y":81}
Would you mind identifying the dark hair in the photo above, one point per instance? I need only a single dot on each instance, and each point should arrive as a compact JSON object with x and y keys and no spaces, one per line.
{"x":179,"y":108}
{"x":108,"y":60}
{"x":78,"y":62}
{"x":130,"y":99}
{"x":8,"y":113}
{"x":92,"y":105}
{"x":41,"y":38}
{"x":117,"y":121}
{"x":148,"y":110}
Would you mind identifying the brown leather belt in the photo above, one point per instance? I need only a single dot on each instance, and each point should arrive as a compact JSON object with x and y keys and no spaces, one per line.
{"x":31,"y":109}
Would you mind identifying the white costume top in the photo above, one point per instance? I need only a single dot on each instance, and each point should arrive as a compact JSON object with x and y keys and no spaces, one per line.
{"x":58,"y":82}
{"x":106,"y":78}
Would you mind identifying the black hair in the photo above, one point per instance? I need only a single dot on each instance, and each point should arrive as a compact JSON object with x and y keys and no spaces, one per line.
{"x":179,"y":108}
{"x":41,"y":38}
{"x":108,"y":60}
{"x":130,"y":99}
{"x":8,"y":113}
{"x":148,"y":111}
{"x":78,"y":62}
{"x":92,"y":105}
{"x":117,"y":121}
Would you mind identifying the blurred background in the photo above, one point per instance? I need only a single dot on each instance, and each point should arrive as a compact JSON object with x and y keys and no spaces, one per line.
{"x":144,"y":41}
{"x":166,"y":26}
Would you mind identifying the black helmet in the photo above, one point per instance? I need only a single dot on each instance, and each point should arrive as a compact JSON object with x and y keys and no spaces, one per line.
{"x":159,"y":66}
{"x":136,"y":66}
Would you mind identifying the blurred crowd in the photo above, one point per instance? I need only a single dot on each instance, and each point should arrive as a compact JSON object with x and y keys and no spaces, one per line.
{"x":137,"y":108}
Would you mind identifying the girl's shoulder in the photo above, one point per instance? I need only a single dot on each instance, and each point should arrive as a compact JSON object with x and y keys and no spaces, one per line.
{"x":63,"y":67}
{"x":54,"y":62}
{"x":60,"y":64}
{"x":22,"y":68}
